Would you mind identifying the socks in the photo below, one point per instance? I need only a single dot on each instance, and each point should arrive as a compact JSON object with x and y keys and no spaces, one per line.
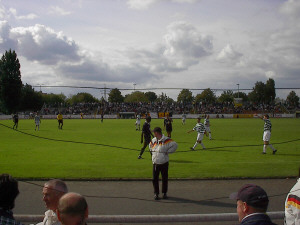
{"x":271,"y":146}
{"x":195,"y":145}
{"x":202,"y":145}
{"x":265,"y":147}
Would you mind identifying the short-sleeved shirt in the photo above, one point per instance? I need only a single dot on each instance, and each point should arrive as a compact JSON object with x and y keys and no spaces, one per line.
{"x":267,"y":125}
{"x":146,"y":131}
{"x":200,"y":128}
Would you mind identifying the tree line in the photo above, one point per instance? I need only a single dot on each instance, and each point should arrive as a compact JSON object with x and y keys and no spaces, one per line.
{"x":16,"y":96}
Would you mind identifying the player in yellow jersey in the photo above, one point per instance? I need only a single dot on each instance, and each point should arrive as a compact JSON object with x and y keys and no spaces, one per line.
{"x":60,"y":121}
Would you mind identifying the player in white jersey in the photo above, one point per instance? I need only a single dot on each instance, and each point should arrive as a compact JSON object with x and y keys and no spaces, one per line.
{"x":267,"y":133}
{"x":200,"y":128}
{"x":138,"y":122}
{"x":183,"y":116}
{"x":37,"y":120}
{"x":207,"y":126}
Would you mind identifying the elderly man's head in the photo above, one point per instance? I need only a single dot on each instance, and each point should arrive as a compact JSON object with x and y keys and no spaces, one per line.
{"x":251,"y":199}
{"x":53,"y":190}
{"x":72,"y":209}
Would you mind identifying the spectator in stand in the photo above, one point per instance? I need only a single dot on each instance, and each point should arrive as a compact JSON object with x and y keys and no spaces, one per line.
{"x":53,"y":190}
{"x":8,"y":192}
{"x":72,"y":209}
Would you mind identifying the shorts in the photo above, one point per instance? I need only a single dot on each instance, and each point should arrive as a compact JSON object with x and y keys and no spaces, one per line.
{"x":200,"y":137}
{"x":267,"y":135}
{"x":207,"y":129}
{"x":37,"y":123}
{"x":60,"y":122}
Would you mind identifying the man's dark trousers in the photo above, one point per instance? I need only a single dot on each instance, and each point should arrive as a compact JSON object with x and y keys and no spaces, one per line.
{"x":163,"y":169}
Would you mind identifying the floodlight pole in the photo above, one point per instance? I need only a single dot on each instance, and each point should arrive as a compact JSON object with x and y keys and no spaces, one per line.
{"x":134,"y":87}
{"x":238,"y":90}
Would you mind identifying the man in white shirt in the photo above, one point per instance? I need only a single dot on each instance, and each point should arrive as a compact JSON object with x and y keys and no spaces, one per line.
{"x":53,"y":190}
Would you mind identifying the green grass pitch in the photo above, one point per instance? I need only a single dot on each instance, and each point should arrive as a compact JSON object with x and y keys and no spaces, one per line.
{"x":234,"y":152}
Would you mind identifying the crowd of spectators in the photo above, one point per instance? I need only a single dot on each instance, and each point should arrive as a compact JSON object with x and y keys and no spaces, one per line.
{"x":175,"y":108}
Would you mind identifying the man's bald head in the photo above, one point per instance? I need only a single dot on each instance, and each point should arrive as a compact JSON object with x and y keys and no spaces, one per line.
{"x":72,"y":209}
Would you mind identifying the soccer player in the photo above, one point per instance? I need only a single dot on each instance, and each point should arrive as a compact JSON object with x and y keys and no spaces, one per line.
{"x":183,"y":116}
{"x":60,"y":121}
{"x":102,"y":116}
{"x":37,"y":120}
{"x":138,"y":122}
{"x":207,"y":126}
{"x":267,"y":134}
{"x":168,"y":125}
{"x":146,"y":134}
{"x":200,"y":128}
{"x":16,"y":120}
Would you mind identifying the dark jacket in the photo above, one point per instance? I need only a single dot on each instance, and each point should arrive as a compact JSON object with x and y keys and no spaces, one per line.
{"x":257,"y":219}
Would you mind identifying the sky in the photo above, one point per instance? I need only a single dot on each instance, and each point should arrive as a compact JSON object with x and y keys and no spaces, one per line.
{"x":144,"y":44}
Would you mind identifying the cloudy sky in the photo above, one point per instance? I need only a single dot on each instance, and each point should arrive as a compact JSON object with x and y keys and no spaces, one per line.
{"x":153,"y":43}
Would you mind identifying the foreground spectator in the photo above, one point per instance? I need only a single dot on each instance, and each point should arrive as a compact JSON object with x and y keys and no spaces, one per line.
{"x":292,"y":205}
{"x":8,"y":192}
{"x":252,"y":204}
{"x":72,"y":209}
{"x":161,"y":146}
{"x":53,"y":190}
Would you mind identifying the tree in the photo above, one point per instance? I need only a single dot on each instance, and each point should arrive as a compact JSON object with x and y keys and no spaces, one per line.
{"x":115,"y":96}
{"x":226,"y":96}
{"x":292,"y":99}
{"x":242,"y":95}
{"x":31,"y":100}
{"x":151,"y":96}
{"x":10,"y":81}
{"x":185,"y":96}
{"x":54,"y":99}
{"x":82,"y":97}
{"x":136,"y":96}
{"x":270,"y":92}
{"x":207,"y":96}
{"x":258,"y":93}
{"x":164,"y":98}
{"x":263,"y":93}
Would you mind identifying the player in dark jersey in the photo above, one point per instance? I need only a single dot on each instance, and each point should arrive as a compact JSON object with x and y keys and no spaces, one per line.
{"x":168,"y":125}
{"x":15,"y":120}
{"x":147,"y":135}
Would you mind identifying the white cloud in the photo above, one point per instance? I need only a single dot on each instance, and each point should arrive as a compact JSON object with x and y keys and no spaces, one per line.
{"x":140,"y":4}
{"x":291,"y":8}
{"x":229,"y":54}
{"x":145,"y":4}
{"x":42,"y":44}
{"x":183,"y":47}
{"x":6,"y":42}
{"x":30,"y":16}
{"x":59,"y":11}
